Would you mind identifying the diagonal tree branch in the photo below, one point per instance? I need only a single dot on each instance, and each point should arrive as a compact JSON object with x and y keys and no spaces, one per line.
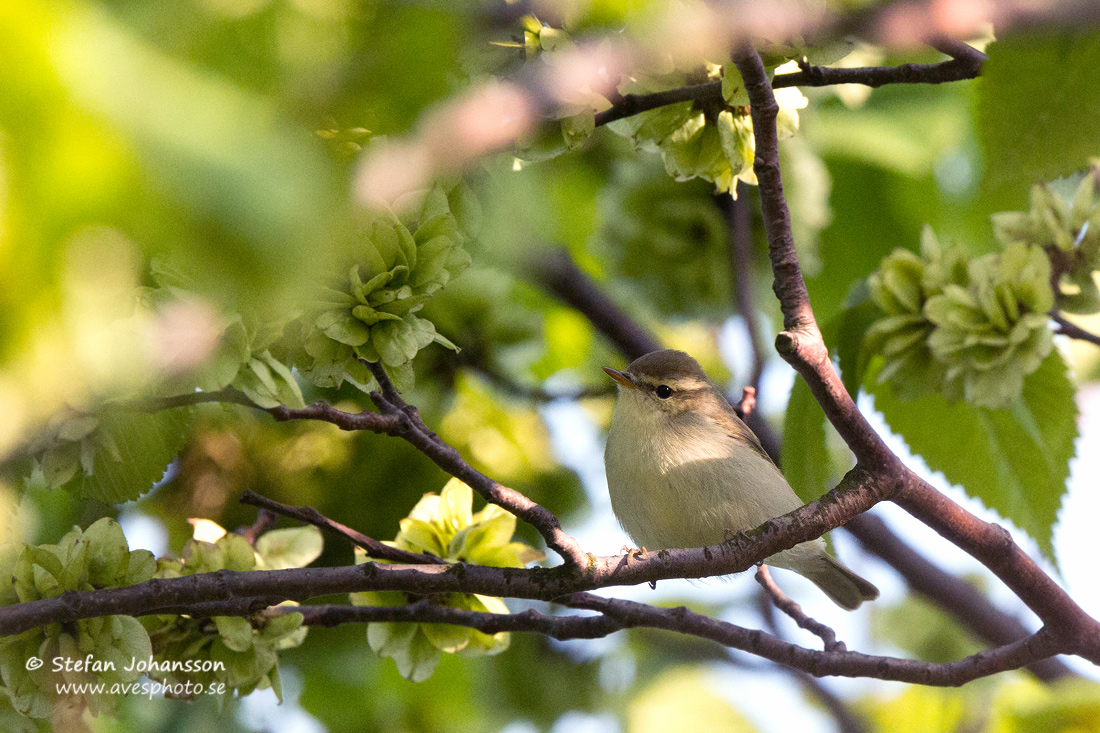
{"x":855,"y":493}
{"x":1071,"y":329}
{"x":960,"y":599}
{"x":802,"y":346}
{"x":309,"y":515}
{"x":558,"y":274}
{"x":821,"y":663}
{"x":414,"y":431}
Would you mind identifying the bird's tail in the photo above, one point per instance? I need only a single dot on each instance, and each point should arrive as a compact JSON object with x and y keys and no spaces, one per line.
{"x":845,"y":588}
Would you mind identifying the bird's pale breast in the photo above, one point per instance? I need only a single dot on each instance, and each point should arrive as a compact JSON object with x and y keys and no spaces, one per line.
{"x":684,"y":482}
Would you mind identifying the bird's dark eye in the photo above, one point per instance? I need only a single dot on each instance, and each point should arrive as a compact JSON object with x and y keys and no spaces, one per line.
{"x":664,"y":391}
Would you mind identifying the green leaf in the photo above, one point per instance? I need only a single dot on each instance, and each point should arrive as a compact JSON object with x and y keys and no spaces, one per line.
{"x":290,"y":548}
{"x":133,"y":450}
{"x":132,"y":640}
{"x":1038,"y":110}
{"x":236,"y":632}
{"x":60,"y":464}
{"x":804,"y":456}
{"x":407,"y":645}
{"x":341,"y":326}
{"x":78,"y":428}
{"x":1015,"y":460}
{"x":418,"y":660}
{"x":447,"y":638}
{"x":108,"y":552}
{"x":577,"y":129}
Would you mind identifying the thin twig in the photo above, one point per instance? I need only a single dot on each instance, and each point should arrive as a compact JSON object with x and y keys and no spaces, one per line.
{"x":413,"y":430}
{"x":847,"y":721}
{"x":265,"y":520}
{"x":792,"y":609}
{"x":959,"y":68}
{"x":1068,"y":328}
{"x":747,"y":405}
{"x":536,"y":393}
{"x":739,"y":248}
{"x":309,"y":515}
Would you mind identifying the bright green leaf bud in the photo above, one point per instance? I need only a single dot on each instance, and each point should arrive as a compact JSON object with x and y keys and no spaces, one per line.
{"x":444,"y":525}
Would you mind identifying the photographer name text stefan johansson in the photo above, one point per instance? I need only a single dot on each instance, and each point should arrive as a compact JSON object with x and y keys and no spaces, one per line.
{"x":91,"y":664}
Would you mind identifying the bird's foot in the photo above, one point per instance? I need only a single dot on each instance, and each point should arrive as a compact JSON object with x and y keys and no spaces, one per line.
{"x":632,"y":551}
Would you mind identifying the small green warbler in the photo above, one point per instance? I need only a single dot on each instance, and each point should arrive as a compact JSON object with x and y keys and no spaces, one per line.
{"x":684,"y":471}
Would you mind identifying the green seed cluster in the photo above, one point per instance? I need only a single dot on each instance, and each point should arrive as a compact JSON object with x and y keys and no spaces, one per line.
{"x":967,"y":328}
{"x":1068,"y":230}
{"x":369,"y":310}
{"x":83,"y":560}
{"x":246,"y":648}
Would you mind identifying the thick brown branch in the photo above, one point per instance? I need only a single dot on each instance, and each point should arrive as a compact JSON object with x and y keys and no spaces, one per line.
{"x":834,"y":663}
{"x":856,"y":493}
{"x":957,"y":597}
{"x":992,"y":546}
{"x":801,"y":343}
{"x":802,"y":346}
{"x":615,"y":615}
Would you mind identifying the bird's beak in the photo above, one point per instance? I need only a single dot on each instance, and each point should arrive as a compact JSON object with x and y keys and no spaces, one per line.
{"x":622,"y":378}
